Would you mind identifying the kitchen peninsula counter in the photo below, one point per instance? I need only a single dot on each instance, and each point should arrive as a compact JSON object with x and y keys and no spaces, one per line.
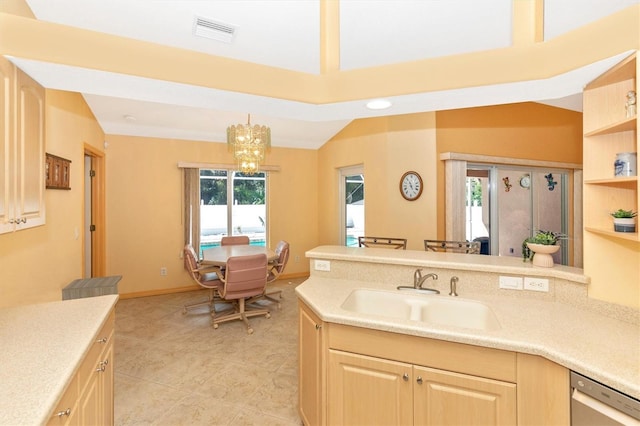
{"x":42,"y":346}
{"x":597,"y":339}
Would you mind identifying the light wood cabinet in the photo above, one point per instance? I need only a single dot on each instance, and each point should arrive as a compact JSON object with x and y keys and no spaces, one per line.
{"x":376,"y":377}
{"x":608,"y":131}
{"x":88,"y":399}
{"x":311,"y":377}
{"x":22,"y":160}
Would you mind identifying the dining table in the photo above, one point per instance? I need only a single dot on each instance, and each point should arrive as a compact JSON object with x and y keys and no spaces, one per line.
{"x":218,"y":255}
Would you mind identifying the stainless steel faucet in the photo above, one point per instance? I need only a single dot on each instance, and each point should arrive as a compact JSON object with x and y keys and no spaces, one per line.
{"x":452,"y":286}
{"x":419,"y":279}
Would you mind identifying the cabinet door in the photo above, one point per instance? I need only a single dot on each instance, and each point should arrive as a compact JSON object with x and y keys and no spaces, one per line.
{"x":368,"y":391}
{"x":30,"y":152}
{"x":6,"y":145}
{"x":106,"y":385}
{"x":310,"y":368}
{"x":446,"y":398}
{"x":89,"y":404}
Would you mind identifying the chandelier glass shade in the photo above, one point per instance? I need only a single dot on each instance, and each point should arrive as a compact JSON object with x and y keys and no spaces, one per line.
{"x":249,"y":145}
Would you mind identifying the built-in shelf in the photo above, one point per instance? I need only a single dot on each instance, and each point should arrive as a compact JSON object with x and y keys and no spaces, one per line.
{"x":622,"y":126}
{"x":631,"y":236}
{"x":626,"y":181}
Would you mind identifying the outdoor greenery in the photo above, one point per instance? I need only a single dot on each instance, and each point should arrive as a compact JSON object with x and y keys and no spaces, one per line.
{"x":624,"y":214}
{"x":247,"y":189}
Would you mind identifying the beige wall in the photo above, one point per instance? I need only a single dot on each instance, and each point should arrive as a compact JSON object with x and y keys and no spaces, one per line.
{"x":386,"y":147}
{"x":524,"y":130}
{"x":144,"y":207}
{"x":35,"y":264}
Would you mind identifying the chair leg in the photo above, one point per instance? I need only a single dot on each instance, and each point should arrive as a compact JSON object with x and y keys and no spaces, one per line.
{"x":239,"y":312}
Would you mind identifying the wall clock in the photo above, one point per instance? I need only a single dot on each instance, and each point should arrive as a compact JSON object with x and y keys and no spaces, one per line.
{"x":411,"y":186}
{"x":525,"y":181}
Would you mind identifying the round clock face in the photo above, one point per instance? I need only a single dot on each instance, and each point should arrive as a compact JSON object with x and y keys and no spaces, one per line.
{"x":525,"y":181}
{"x":411,"y":186}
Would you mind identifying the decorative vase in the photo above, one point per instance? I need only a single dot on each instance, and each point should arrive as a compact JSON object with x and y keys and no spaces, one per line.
{"x":624,"y":224}
{"x":542,"y":256}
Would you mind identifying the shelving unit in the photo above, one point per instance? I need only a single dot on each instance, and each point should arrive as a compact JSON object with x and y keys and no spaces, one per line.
{"x":611,"y":259}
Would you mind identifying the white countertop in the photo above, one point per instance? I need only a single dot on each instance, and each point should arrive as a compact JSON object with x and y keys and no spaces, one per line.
{"x":597,"y":346}
{"x":41,"y":347}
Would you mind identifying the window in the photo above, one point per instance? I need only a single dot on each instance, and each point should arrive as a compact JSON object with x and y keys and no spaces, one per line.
{"x":244,"y":213}
{"x":352,"y":201}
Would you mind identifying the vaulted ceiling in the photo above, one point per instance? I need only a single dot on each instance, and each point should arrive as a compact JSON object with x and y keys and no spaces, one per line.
{"x":295,"y":38}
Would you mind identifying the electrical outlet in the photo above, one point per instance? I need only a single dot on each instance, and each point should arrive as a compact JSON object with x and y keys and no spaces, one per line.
{"x":296,"y":258}
{"x":510,"y":283}
{"x":536,"y":284}
{"x":163,"y":271}
{"x":322,"y":265}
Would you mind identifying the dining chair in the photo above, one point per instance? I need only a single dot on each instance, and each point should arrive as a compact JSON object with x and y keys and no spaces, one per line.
{"x":469,"y":247}
{"x":205,"y":277}
{"x":275,"y":269}
{"x":245,"y":277}
{"x":234,"y":240}
{"x":383,"y":242}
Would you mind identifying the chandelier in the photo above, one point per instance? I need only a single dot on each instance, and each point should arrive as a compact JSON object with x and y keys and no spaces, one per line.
{"x":249,"y":145}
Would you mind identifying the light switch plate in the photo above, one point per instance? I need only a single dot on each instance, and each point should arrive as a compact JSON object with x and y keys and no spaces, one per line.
{"x":510,"y":283}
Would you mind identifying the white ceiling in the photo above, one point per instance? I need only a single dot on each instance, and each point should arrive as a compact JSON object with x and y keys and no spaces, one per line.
{"x":286,"y":34}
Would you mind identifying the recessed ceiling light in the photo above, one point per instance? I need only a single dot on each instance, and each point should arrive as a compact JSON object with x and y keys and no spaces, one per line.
{"x":378,"y":104}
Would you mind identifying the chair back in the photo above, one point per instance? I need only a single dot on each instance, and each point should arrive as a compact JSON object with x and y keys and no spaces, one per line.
{"x":191,"y":263}
{"x":245,"y":276}
{"x":470,"y":247}
{"x":282,"y":250}
{"x":207,"y":279}
{"x":383,"y":242}
{"x":235,"y":240}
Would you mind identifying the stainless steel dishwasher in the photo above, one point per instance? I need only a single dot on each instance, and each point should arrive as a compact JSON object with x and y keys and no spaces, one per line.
{"x":598,"y":405}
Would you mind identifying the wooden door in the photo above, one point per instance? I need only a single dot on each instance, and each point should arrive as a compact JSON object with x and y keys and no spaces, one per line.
{"x":446,"y":398}
{"x":370,"y":391}
{"x":311,"y":370}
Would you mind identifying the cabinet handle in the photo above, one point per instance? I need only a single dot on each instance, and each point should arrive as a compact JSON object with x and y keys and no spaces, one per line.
{"x":318,"y":326}
{"x":103,"y":340}
{"x":66,"y":412}
{"x":419,"y":380}
{"x":405,"y":377}
{"x":102,"y":366}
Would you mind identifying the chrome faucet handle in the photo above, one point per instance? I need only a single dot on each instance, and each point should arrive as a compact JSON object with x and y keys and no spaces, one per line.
{"x":452,"y":286}
{"x":417,"y":276}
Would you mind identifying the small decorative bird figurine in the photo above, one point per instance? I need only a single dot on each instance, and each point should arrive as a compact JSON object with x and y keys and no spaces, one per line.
{"x":551,"y":184}
{"x":507,"y":185}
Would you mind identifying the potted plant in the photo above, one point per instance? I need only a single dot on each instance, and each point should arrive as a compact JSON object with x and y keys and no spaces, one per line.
{"x":624,"y":220}
{"x":541,"y":246}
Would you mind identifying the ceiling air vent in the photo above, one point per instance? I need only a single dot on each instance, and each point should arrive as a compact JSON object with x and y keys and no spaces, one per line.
{"x":207,"y":28}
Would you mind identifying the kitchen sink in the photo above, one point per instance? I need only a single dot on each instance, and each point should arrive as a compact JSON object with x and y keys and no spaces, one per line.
{"x":427,"y":308}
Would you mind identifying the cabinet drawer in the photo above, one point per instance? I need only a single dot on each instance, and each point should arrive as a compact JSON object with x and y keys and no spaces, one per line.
{"x":95,"y":355}
{"x":475,"y":360}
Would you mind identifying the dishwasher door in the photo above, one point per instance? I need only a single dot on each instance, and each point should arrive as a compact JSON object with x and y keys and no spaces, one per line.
{"x":598,"y":405}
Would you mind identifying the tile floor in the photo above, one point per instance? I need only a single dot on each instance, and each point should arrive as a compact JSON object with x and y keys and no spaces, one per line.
{"x":173,"y":369}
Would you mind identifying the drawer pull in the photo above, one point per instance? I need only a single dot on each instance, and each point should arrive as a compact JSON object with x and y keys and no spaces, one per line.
{"x":419,"y":380}
{"x":103,"y":340}
{"x":66,"y":412}
{"x":405,"y":377}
